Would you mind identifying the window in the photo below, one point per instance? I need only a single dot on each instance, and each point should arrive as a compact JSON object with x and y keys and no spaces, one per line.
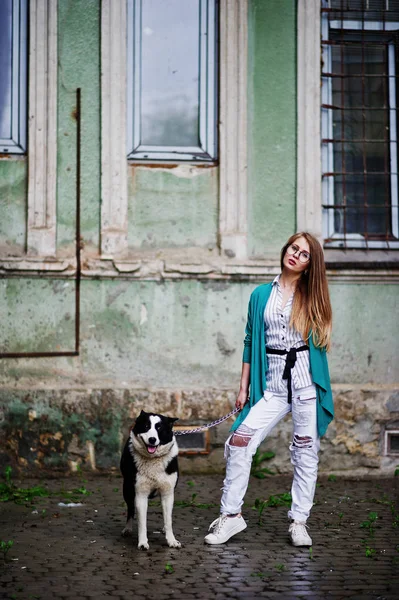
{"x":360,"y":66}
{"x":391,"y":442}
{"x":172,"y":79}
{"x":13,"y":76}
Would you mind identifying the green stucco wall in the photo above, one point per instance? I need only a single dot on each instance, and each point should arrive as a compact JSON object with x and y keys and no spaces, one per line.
{"x":13,"y":186}
{"x":37,"y":316}
{"x":172,"y":208}
{"x":176,"y":334}
{"x":365,"y":333}
{"x":79,"y":67}
{"x":272,"y":124}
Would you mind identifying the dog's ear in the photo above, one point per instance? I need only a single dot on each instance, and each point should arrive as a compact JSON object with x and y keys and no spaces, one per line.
{"x":172,"y":420}
{"x":142,"y":414}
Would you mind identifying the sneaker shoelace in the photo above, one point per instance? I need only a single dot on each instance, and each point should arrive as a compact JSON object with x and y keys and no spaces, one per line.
{"x":299,"y":528}
{"x":217,"y":524}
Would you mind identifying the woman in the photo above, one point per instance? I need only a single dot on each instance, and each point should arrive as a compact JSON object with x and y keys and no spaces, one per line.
{"x":284,"y":370}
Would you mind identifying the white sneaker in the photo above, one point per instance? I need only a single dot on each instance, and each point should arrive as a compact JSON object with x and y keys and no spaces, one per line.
{"x":223,"y":528}
{"x":298,"y":534}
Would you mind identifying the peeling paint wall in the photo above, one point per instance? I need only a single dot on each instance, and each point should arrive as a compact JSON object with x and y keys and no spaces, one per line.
{"x":79,"y":66}
{"x":13,"y":185}
{"x":38,"y":316}
{"x":365,"y":333}
{"x":172,"y":208}
{"x":272,"y":124}
{"x":182,"y":333}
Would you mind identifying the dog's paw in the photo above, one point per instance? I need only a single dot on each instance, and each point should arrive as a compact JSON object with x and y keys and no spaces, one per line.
{"x":174,"y":543}
{"x":127,"y":531}
{"x":143,"y":546}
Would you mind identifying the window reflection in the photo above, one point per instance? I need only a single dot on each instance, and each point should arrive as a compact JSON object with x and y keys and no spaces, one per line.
{"x":170,"y":72}
{"x":5,"y":67}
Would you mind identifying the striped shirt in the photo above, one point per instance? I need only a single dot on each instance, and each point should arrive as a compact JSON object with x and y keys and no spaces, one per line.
{"x":280,"y":336}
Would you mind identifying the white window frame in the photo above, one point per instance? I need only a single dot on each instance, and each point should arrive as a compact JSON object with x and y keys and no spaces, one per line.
{"x":16,"y":144}
{"x":356,"y":240}
{"x":207,"y":150}
{"x":42,"y":129}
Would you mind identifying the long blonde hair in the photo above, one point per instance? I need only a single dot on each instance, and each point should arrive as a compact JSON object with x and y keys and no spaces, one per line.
{"x":311,"y":309}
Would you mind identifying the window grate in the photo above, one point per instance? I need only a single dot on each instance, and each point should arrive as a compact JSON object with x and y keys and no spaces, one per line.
{"x":360,"y":69}
{"x":392,"y":442}
{"x":197,"y":442}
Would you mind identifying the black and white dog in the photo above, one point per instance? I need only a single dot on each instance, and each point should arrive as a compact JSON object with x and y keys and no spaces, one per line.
{"x":149,"y":466}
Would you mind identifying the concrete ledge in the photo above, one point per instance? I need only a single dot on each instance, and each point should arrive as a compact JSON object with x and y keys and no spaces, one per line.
{"x":172,"y":268}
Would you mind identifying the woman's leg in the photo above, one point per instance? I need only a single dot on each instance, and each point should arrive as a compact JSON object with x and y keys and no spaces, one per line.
{"x":242,"y":445}
{"x":239,"y":450}
{"x":304,"y":458}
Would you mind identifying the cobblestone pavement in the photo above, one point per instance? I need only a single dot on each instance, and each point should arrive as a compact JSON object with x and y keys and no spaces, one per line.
{"x":78,"y":552}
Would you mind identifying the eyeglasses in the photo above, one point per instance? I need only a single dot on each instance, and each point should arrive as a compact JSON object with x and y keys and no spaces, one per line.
{"x":303,"y":256}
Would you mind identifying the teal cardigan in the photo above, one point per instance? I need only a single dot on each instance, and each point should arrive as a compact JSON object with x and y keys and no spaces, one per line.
{"x":255,"y":355}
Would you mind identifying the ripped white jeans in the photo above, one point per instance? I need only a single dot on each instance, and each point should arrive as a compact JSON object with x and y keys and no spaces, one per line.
{"x":304,"y":450}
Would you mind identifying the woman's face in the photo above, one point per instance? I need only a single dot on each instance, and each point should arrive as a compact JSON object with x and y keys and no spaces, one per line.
{"x":295,"y":255}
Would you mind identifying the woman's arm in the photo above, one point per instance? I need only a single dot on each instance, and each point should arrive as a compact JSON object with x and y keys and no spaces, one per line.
{"x":244,"y":386}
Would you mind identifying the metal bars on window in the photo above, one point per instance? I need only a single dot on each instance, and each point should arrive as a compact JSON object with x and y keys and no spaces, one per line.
{"x":172,"y":80}
{"x":13,"y":76}
{"x":360,"y":70}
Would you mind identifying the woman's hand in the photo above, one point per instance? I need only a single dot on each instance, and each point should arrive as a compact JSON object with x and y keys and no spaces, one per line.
{"x":244,"y":386}
{"x":241,"y":399}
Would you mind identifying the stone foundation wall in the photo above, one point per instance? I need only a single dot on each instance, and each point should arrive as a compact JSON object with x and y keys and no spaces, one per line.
{"x":58,"y":431}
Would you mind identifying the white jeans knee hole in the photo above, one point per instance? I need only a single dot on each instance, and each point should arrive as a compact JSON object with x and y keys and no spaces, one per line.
{"x":303,"y":441}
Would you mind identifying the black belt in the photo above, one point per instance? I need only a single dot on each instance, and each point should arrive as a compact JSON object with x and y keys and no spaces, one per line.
{"x":289,"y":364}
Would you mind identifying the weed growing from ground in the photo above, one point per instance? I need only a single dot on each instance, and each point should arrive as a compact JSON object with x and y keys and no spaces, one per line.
{"x":192,"y":502}
{"x":258,"y":459}
{"x":369,"y":524}
{"x":73,"y":495}
{"x":311,"y":552}
{"x":79,"y":473}
{"x":280,"y":568}
{"x":284,"y":499}
{"x":9,"y":492}
{"x":261,"y":574}
{"x":169,"y":569}
{"x":383,"y":500}
{"x":332,"y":477}
{"x":277,"y":500}
{"x":5,"y":547}
{"x":260,"y":506}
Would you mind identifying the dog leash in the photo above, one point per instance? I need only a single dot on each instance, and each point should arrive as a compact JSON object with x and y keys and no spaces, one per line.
{"x":208,"y":425}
